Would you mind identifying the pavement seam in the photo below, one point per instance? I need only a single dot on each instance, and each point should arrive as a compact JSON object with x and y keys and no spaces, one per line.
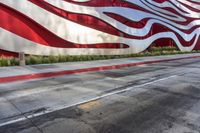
{"x":22,"y":118}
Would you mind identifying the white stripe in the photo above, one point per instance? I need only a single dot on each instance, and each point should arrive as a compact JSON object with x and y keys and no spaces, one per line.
{"x":13,"y":121}
{"x":168,"y":4}
{"x":162,"y":12}
{"x":140,"y":4}
{"x":192,"y":5}
{"x":191,"y":13}
{"x":81,"y":0}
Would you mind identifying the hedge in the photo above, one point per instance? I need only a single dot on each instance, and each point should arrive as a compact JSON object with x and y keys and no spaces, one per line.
{"x":32,"y":59}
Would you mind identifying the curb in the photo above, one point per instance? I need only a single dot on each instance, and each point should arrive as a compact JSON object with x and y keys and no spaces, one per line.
{"x":92,"y":69}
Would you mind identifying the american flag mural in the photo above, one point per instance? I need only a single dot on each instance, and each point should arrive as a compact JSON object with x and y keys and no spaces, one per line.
{"x":74,"y":27}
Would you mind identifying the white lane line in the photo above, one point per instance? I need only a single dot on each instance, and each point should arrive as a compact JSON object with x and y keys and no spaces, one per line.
{"x":13,"y":121}
{"x":82,"y":102}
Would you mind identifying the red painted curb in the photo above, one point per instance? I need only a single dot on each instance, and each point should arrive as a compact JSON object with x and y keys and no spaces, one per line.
{"x":92,"y":69}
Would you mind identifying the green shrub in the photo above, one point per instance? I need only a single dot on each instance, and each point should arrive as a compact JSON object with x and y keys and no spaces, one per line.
{"x":61,"y":58}
{"x":156,"y":49}
{"x":8,"y":61}
{"x":14,"y":62}
{"x":46,"y":60}
{"x":53,"y":59}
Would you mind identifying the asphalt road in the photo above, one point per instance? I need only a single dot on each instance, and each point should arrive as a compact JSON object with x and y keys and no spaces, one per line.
{"x":156,"y":98}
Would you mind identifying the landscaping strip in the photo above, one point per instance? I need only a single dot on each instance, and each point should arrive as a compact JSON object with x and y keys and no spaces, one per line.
{"x":33,"y":59}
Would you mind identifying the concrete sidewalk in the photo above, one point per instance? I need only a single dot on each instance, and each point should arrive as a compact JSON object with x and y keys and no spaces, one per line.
{"x":10,"y":74}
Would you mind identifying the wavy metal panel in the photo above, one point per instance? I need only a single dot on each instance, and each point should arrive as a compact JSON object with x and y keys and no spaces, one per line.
{"x":76,"y":27}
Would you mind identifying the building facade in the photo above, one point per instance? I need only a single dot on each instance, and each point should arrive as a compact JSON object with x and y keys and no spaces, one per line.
{"x":97,"y":27}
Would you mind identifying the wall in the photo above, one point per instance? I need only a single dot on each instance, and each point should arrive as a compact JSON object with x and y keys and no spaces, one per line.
{"x":74,"y":27}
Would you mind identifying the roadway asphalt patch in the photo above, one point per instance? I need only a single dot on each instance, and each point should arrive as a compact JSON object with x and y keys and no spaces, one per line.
{"x":128,"y":71}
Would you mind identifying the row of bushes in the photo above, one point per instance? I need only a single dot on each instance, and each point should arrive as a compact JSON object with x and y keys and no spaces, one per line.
{"x":159,"y":49}
{"x":9,"y":61}
{"x":31,"y":60}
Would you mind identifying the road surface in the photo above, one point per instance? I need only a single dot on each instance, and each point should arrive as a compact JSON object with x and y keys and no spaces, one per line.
{"x":154,"y":98}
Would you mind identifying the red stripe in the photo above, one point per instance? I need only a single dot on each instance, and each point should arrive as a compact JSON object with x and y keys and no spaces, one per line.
{"x":4,"y":53}
{"x":160,"y":1}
